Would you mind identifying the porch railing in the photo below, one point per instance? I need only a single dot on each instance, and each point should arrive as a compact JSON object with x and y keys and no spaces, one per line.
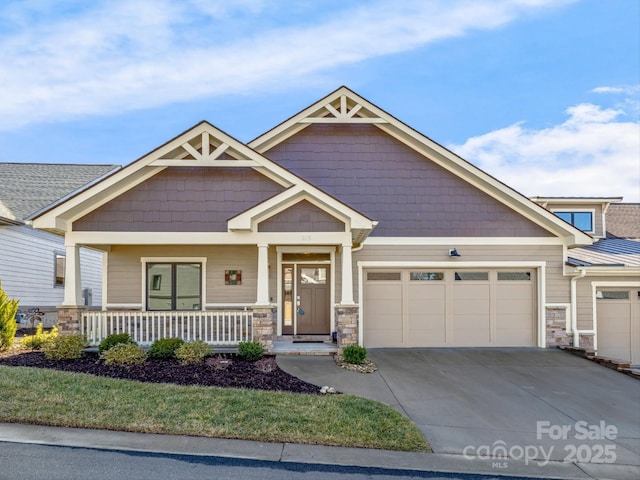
{"x":216,"y":327}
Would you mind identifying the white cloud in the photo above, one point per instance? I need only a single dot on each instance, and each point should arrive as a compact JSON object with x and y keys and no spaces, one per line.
{"x":595,"y":152}
{"x":103,"y":57}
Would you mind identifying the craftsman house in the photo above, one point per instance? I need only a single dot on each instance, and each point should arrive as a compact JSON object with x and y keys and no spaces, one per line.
{"x":340,"y":219}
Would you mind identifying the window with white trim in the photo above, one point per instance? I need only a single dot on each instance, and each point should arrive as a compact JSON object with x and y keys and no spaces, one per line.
{"x":59,"y":264}
{"x":581,"y":220}
{"x":174,"y":286}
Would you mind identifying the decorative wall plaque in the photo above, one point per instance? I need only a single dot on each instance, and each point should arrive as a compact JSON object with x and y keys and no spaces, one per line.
{"x":233,"y":277}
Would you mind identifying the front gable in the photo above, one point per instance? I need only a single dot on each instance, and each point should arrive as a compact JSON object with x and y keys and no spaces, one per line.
{"x":203,"y":180}
{"x":348,"y":145}
{"x":303,"y":216}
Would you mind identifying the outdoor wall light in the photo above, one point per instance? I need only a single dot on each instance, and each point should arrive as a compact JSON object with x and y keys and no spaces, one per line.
{"x":454,"y":253}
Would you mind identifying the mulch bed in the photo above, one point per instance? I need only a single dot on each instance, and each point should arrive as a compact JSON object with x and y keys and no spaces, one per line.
{"x":220,"y":371}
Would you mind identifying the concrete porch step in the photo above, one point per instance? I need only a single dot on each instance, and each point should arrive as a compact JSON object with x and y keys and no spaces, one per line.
{"x":291,"y":348}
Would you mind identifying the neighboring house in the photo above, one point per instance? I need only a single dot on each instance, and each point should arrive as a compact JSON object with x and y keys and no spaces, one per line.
{"x":32,"y":262}
{"x":342,"y":218}
{"x":606,"y":273}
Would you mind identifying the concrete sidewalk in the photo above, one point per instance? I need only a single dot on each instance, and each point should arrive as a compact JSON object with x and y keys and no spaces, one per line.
{"x":309,"y":454}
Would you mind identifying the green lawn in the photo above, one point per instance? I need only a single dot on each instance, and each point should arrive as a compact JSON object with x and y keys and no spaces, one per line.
{"x":49,"y":397}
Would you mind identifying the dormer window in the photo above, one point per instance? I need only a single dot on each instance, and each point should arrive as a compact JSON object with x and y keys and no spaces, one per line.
{"x":581,"y":220}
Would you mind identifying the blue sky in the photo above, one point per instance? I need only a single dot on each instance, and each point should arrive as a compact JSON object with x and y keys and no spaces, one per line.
{"x":543,"y":94}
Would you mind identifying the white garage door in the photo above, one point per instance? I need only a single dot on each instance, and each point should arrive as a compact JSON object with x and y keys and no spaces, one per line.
{"x":618,"y":323}
{"x":445,"y":308}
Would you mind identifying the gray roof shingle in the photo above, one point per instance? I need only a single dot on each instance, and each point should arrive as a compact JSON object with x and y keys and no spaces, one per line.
{"x":26,"y":188}
{"x":623,"y":220}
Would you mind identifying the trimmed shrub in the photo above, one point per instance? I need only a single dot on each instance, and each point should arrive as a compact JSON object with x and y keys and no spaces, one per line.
{"x":65,"y":347}
{"x":251,"y":351}
{"x":165,"y":348}
{"x":113,"y":340}
{"x":193,"y":352}
{"x":354,"y":354}
{"x":125,"y":354}
{"x":38,"y":340}
{"x":8,"y":325}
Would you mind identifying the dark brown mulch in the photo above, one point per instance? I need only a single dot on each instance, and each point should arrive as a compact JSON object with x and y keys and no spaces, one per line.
{"x":229,"y":371}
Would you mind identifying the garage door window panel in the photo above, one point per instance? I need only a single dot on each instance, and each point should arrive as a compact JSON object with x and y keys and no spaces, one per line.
{"x":471,"y":276}
{"x":426,"y":276}
{"x":613,"y":295}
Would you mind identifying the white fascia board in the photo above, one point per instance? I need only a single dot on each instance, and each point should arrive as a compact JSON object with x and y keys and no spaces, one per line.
{"x":632,"y":284}
{"x":449,"y":264}
{"x":578,"y":200}
{"x":595,"y":271}
{"x":455,"y":241}
{"x":207,"y":238}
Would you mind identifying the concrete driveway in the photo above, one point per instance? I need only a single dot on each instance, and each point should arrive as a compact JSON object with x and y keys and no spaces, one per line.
{"x":484,"y":401}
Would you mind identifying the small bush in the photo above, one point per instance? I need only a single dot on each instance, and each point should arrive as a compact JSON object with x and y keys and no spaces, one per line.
{"x":113,"y":340}
{"x":165,"y":348}
{"x":38,"y":340}
{"x":65,"y":347}
{"x":8,"y":325}
{"x":125,"y":354}
{"x":193,"y":352}
{"x":251,"y":351}
{"x":354,"y":354}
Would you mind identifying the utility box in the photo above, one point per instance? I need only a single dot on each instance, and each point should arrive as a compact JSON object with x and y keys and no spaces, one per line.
{"x":87,"y":297}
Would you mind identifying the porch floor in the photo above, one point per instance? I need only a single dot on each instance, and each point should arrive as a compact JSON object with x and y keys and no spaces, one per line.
{"x":315,"y":348}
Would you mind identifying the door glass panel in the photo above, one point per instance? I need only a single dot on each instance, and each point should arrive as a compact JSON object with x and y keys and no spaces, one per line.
{"x":287,"y":316}
{"x":314,"y":275}
{"x":159,"y":286}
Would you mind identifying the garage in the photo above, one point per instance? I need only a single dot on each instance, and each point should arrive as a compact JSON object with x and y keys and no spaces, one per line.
{"x":449,"y":307}
{"x":618,"y":323}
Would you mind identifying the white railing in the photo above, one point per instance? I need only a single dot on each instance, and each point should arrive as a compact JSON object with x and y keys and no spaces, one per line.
{"x":219,"y":327}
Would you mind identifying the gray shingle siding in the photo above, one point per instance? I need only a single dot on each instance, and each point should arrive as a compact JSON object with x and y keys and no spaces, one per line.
{"x":302,"y":217}
{"x":182,"y":199}
{"x":387,"y":181}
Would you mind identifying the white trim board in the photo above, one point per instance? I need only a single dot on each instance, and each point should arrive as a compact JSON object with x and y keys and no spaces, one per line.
{"x":451,"y":242}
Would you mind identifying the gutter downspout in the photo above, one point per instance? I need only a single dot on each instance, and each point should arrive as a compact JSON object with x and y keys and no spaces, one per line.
{"x":574,"y":304}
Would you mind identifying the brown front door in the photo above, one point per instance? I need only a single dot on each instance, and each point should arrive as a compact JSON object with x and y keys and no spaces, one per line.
{"x":307,"y":304}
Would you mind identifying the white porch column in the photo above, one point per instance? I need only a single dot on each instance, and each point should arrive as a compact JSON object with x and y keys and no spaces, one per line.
{"x":263,"y":275}
{"x":347,"y":276}
{"x":72,"y":277}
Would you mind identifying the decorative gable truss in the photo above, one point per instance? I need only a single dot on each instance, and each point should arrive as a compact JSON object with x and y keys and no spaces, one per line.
{"x":343,"y":109}
{"x":205,"y":150}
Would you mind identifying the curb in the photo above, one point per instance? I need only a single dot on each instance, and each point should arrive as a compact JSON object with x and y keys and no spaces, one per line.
{"x":297,"y":453}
